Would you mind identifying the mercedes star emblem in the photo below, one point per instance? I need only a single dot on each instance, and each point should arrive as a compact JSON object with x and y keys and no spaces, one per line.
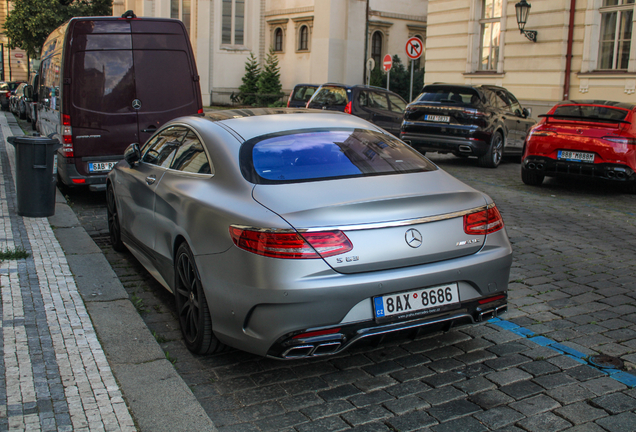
{"x":136,"y":104}
{"x":413,"y":238}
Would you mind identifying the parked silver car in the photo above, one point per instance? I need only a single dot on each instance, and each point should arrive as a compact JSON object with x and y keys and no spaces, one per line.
{"x":295,"y":233}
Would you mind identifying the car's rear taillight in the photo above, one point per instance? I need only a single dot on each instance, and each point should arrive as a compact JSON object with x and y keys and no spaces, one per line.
{"x":289,"y":100}
{"x":473,"y":112}
{"x":543,"y":133}
{"x":290,"y":244}
{"x":620,"y":140}
{"x":483,"y":222}
{"x":67,"y":136}
{"x":348,"y":108}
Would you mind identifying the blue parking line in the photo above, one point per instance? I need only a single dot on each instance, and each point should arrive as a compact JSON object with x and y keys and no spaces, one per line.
{"x":617,"y":374}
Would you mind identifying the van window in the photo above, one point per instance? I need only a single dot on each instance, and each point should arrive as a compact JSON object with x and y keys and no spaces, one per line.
{"x":105,"y":81}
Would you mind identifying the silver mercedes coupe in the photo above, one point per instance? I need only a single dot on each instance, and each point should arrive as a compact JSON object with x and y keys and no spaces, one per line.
{"x":291,"y":233}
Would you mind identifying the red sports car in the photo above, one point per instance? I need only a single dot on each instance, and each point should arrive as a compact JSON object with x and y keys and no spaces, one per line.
{"x":583,"y":138}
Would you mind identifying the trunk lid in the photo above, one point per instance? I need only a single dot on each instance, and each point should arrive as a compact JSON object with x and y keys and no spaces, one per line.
{"x":379,"y":214}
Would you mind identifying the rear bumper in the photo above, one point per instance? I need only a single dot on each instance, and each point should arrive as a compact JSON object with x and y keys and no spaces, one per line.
{"x":71,"y":177}
{"x":553,"y":168}
{"x":443,"y":143}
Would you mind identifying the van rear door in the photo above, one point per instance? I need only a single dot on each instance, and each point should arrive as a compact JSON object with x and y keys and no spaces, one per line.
{"x":166,"y":78}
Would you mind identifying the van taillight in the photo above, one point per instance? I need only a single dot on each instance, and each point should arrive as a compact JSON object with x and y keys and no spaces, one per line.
{"x":200,"y":111}
{"x":67,"y":136}
{"x":348,"y":108}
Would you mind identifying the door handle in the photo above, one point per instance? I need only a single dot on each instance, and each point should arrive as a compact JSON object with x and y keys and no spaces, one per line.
{"x":150,"y":129}
{"x":151,"y":179}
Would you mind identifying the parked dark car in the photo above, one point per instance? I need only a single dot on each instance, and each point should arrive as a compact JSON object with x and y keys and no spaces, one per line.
{"x":301,"y":94}
{"x":589,"y":138}
{"x":484,"y":121}
{"x":20,"y":100}
{"x":377,"y":105}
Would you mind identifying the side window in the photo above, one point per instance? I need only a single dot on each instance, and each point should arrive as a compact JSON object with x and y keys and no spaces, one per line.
{"x":363,"y":98}
{"x":378,"y":100}
{"x":514,"y":103}
{"x":161,"y":149}
{"x":191,"y":157}
{"x":502,"y":100}
{"x":397,"y":104}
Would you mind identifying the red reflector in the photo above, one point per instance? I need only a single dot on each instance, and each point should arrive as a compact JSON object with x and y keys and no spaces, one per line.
{"x":348,"y":108}
{"x":483,"y":222}
{"x":317,"y":333}
{"x":79,"y":181}
{"x":291,"y":245}
{"x":491,"y":299}
{"x":200,"y":111}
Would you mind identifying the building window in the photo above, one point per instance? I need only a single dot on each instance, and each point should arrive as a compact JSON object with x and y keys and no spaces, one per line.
{"x":616,"y":34}
{"x":303,"y":39}
{"x":376,"y":48}
{"x":233,"y":22}
{"x":180,"y":9}
{"x":490,"y":35}
{"x":278,"y":40}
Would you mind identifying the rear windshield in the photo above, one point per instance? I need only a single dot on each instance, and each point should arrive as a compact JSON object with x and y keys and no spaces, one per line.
{"x":331,"y":96}
{"x":590,"y":112}
{"x":303,"y":94}
{"x":449,"y":94}
{"x":327,"y":154}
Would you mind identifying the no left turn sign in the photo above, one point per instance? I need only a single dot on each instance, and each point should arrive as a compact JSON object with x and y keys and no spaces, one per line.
{"x":414,"y":48}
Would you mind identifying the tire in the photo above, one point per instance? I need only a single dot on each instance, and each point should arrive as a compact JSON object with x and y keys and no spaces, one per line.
{"x":493,"y":156}
{"x":531,"y":178}
{"x":192,"y":306}
{"x":114,"y":228}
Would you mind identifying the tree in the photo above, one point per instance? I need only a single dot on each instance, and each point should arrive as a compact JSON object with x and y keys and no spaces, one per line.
{"x":249,"y":88}
{"x":30,"y":22}
{"x":269,"y":86}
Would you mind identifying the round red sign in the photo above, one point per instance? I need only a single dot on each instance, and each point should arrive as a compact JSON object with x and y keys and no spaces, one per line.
{"x":387,"y":63}
{"x":414,"y":48}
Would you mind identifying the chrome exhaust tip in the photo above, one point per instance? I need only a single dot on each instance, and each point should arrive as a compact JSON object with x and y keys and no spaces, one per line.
{"x":465,"y":149}
{"x":531,"y":166}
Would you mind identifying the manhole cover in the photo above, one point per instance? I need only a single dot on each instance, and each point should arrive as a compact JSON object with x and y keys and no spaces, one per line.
{"x":605,"y":361}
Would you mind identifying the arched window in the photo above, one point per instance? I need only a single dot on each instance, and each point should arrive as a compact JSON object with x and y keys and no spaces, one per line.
{"x":278,"y":39}
{"x":303,"y":40}
{"x":376,"y":48}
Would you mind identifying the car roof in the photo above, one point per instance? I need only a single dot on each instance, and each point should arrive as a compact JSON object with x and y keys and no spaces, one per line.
{"x":615,"y":104}
{"x":251,"y":123}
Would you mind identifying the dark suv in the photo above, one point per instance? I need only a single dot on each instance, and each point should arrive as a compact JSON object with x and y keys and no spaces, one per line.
{"x":484,"y":121}
{"x":377,"y":105}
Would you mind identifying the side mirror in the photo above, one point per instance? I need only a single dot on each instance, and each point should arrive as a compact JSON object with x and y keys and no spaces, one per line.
{"x":132,"y":155}
{"x":527,"y":112}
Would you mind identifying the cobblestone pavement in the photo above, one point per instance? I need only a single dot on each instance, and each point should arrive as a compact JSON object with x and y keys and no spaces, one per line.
{"x":53,"y":375}
{"x":572,"y":296}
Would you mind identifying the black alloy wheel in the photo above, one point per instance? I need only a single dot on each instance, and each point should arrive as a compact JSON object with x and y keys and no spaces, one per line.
{"x":192,"y":306}
{"x":114,"y":229}
{"x":493,"y":156}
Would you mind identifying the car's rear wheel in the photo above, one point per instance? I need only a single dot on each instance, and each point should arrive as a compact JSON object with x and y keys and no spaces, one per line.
{"x":114,"y":229}
{"x":531,"y":178}
{"x":192,"y":306}
{"x":493,"y":156}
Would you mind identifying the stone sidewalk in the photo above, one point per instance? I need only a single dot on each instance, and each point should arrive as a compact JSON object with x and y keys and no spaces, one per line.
{"x":75,"y":354}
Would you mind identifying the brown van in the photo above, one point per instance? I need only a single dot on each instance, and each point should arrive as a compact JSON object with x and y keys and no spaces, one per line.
{"x":106,"y":82}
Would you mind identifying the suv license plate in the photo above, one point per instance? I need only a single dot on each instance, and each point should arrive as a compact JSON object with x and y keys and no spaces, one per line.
{"x":575,"y":156}
{"x":437,"y":118}
{"x":423,"y":301}
{"x":100,"y":166}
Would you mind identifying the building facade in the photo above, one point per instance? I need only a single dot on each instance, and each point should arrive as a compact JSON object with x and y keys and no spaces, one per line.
{"x":316,"y":41}
{"x":584,"y":48}
{"x":14,"y":63}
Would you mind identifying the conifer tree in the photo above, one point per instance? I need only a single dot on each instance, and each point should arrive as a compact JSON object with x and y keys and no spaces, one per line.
{"x":269,"y":86}
{"x":249,"y":88}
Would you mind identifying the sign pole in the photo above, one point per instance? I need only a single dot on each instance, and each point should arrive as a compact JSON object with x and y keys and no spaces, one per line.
{"x":388,"y":78}
{"x":411,"y":89}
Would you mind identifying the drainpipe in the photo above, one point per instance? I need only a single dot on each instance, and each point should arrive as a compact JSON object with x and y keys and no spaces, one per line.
{"x":568,"y":56}
{"x":366,"y":44}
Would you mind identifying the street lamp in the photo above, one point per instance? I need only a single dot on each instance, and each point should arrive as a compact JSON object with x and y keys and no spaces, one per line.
{"x":523,"y":9}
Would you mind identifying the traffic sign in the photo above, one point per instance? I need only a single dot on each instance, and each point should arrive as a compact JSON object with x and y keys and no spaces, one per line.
{"x":414,"y":48}
{"x":387,"y":63}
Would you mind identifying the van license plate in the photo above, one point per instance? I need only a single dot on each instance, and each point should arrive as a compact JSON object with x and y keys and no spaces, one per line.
{"x":100,"y":166}
{"x":418,"y":302}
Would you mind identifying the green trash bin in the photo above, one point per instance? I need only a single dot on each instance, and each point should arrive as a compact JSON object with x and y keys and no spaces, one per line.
{"x":36,"y":174}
